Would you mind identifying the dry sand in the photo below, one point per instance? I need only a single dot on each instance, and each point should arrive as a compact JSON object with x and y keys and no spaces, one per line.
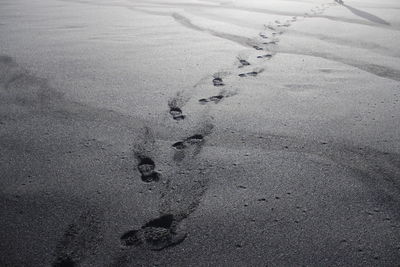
{"x":199,"y":133}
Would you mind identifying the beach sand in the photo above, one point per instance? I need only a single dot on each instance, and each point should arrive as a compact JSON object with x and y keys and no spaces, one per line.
{"x":199,"y":133}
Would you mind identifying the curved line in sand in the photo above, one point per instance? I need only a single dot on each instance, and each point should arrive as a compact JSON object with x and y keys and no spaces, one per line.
{"x":378,"y":70}
{"x":349,"y":43}
{"x":245,"y":41}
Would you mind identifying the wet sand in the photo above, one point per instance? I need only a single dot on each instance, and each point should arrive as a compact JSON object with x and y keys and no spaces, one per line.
{"x":199,"y":133}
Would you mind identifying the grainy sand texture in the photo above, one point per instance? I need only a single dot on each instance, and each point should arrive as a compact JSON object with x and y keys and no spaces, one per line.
{"x":199,"y":133}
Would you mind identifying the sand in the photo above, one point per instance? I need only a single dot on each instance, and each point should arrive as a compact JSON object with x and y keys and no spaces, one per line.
{"x":199,"y":133}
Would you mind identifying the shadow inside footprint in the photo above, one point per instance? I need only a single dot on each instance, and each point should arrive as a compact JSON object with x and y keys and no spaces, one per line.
{"x":216,"y":99}
{"x":253,"y":73}
{"x":164,"y":221}
{"x":176,"y":113}
{"x":218,"y":82}
{"x":64,"y":262}
{"x":268,"y":56}
{"x":146,"y":168}
{"x":179,"y":145}
{"x":243,"y":63}
{"x":271,"y":42}
{"x":204,"y":101}
{"x":131,"y":238}
{"x":257,"y":47}
{"x":157,"y":234}
{"x":195,"y":139}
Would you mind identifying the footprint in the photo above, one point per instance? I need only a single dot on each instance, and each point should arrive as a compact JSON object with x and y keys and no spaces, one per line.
{"x":267,"y":56}
{"x":176,"y":113}
{"x":192,"y":144}
{"x":204,"y":101}
{"x":146,"y":168}
{"x":194,"y":139}
{"x":257,"y":47}
{"x":270,"y":27}
{"x":274,"y":42}
{"x":175,"y":106}
{"x":252,"y":74}
{"x":277,"y":33}
{"x":284,"y":25}
{"x":179,"y":145}
{"x":243,"y":63}
{"x":79,"y":240}
{"x":217,"y":98}
{"x":218,"y":82}
{"x":156,"y":235}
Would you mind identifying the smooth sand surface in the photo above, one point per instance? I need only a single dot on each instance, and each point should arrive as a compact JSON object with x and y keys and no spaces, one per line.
{"x":199,"y":133}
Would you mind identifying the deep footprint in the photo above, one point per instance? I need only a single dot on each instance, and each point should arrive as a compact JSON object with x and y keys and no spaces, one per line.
{"x":257,"y":47}
{"x":243,"y":63}
{"x":218,"y":82}
{"x":176,"y":113}
{"x":146,"y":168}
{"x":157,"y":234}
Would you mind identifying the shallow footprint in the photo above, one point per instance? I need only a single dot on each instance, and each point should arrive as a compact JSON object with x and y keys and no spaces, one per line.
{"x":269,"y":27}
{"x":192,"y":140}
{"x":79,"y":240}
{"x":204,"y":101}
{"x":274,"y":42}
{"x":216,"y":99}
{"x":267,"y":56}
{"x":252,"y":74}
